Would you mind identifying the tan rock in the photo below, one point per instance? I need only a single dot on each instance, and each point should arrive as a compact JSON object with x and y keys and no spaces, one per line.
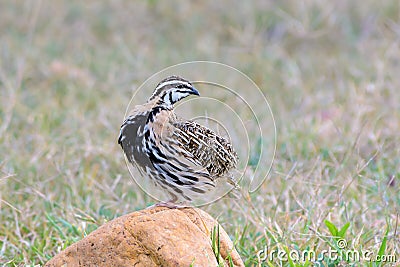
{"x":152,"y":237}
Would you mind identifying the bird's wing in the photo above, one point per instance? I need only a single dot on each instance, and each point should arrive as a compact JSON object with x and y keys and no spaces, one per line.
{"x":213,"y":152}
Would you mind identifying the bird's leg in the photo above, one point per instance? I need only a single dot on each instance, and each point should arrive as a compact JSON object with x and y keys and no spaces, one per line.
{"x":167,"y":204}
{"x":171,"y":204}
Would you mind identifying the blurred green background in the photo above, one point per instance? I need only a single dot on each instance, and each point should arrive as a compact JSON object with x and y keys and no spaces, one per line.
{"x":330,"y":70}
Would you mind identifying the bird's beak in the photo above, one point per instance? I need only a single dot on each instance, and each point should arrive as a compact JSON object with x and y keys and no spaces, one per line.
{"x":194,"y":91}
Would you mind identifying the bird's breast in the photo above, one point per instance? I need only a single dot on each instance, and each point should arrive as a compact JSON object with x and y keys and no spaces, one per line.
{"x":161,"y":125}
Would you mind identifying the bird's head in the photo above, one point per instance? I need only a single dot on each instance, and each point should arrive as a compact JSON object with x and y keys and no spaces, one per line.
{"x":172,"y":89}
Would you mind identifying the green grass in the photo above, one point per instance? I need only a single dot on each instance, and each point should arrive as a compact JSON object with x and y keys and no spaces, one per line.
{"x":330,"y":72}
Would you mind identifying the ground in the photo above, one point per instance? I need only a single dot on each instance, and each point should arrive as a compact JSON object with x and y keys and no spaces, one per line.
{"x":330,"y":71}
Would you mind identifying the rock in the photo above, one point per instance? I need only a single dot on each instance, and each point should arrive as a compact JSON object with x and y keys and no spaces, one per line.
{"x":152,"y":237}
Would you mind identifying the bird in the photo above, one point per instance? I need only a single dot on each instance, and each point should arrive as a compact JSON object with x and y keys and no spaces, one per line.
{"x":182,"y":157}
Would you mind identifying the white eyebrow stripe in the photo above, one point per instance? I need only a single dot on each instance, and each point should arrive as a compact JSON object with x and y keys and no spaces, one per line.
{"x":173,"y":82}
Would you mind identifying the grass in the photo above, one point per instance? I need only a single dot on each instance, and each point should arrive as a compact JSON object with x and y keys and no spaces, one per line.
{"x":328,"y":69}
